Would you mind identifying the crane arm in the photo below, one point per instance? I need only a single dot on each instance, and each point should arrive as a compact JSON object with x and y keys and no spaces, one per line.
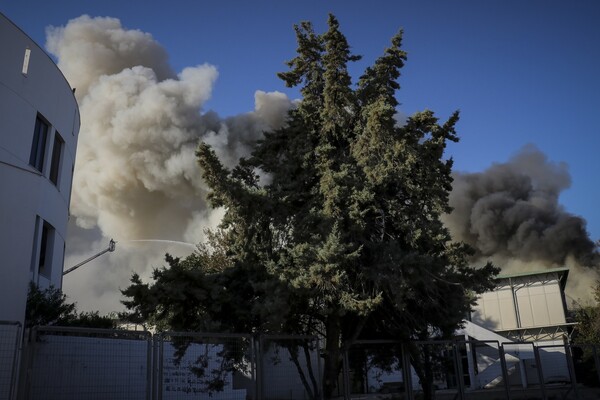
{"x":111,"y":248}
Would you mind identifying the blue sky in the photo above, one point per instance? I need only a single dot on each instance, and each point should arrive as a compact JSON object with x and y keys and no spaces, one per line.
{"x":520,"y":72}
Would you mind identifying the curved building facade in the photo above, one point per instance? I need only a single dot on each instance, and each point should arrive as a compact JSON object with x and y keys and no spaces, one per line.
{"x":39,"y":125}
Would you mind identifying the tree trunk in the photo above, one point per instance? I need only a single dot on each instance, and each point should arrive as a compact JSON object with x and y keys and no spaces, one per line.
{"x":311,"y":387}
{"x":332,"y":355}
{"x":421,"y":362}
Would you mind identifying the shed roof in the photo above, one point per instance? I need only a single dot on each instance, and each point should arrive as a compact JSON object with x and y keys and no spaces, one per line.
{"x":563,"y":273}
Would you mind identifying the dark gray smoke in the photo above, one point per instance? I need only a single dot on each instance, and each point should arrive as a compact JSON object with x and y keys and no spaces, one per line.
{"x":511,"y":214}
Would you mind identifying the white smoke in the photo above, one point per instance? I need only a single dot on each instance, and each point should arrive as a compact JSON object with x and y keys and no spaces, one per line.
{"x":88,"y":48}
{"x":136,"y":175}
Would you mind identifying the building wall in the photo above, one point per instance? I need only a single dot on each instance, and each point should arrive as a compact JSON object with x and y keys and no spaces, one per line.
{"x":29,"y":199}
{"x":521,"y":302}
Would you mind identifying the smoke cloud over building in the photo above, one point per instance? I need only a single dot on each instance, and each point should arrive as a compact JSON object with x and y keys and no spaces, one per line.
{"x":511,"y":214}
{"x":136,"y":175}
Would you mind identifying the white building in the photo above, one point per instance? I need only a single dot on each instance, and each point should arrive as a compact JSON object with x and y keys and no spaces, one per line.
{"x":524,"y":314}
{"x":524,"y":311}
{"x":39,"y":125}
{"x":528,"y":306}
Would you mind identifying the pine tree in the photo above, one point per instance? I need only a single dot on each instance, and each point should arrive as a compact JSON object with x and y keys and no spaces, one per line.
{"x":345,"y":241}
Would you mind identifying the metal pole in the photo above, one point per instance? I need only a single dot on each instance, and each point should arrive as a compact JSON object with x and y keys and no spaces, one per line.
{"x":538,"y":362}
{"x":320,"y":369}
{"x":459,"y":370}
{"x":14,"y":374}
{"x":406,"y":371}
{"x":346,"y":374}
{"x":571,"y":366}
{"x":161,"y":343}
{"x":504,"y":370}
{"x":596,"y":360}
{"x":259,"y":367}
{"x":149,"y":341}
{"x":253,"y":347}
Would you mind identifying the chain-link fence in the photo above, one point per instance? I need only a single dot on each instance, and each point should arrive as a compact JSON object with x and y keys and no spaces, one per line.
{"x":581,"y":363}
{"x":10,"y":335}
{"x":205,"y":366}
{"x":471,"y":370}
{"x":374,"y":368}
{"x":75,"y":363}
{"x":289,"y":368}
{"x":482,"y":365}
{"x":92,"y":364}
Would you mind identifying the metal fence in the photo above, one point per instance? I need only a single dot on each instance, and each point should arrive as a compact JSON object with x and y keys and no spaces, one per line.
{"x":75,"y":363}
{"x":425,"y":369}
{"x":95,"y":364}
{"x":204,"y":366}
{"x":10,"y":336}
{"x":373,"y":367}
{"x":471,"y":370}
{"x":289,"y":367}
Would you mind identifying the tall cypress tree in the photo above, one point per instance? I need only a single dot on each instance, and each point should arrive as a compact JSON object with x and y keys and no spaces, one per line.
{"x":345,"y":241}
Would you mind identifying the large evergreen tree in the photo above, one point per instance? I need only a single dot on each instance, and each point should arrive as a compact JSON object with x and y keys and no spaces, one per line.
{"x":345,"y":241}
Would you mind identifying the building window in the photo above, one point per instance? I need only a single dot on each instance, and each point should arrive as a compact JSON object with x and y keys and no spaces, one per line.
{"x":46,"y":246}
{"x":57,"y":150}
{"x":38,"y":147}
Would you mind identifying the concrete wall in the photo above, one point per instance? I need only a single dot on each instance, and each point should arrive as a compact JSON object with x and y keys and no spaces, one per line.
{"x":28,"y":197}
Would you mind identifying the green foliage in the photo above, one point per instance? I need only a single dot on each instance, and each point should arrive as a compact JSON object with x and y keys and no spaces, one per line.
{"x":588,"y":320}
{"x":50,"y":307}
{"x":586,"y":334}
{"x":345,"y":241}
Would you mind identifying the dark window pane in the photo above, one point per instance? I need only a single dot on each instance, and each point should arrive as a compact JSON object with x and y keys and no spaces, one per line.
{"x":38,"y":147}
{"x":46,"y":245}
{"x":56,"y":156}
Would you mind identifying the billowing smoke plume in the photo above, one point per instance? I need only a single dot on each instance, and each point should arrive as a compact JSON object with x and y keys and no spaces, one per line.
{"x":136,"y":176}
{"x":511,"y":214}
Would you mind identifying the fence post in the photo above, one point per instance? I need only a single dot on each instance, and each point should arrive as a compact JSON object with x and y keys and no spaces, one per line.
{"x":504,"y":370}
{"x":538,"y":362}
{"x":459,"y":370}
{"x":406,"y":371}
{"x":471,"y":350}
{"x":154,"y":376}
{"x":31,"y":350}
{"x":346,"y":374}
{"x":320,"y":369}
{"x":571,"y":366}
{"x":253,"y":367}
{"x":596,"y":361}
{"x":149,"y":367}
{"x":13,"y":373}
{"x":259,"y":367}
{"x":161,"y":345}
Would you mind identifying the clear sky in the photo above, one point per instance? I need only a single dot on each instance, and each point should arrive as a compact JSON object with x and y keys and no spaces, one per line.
{"x":519,"y":71}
